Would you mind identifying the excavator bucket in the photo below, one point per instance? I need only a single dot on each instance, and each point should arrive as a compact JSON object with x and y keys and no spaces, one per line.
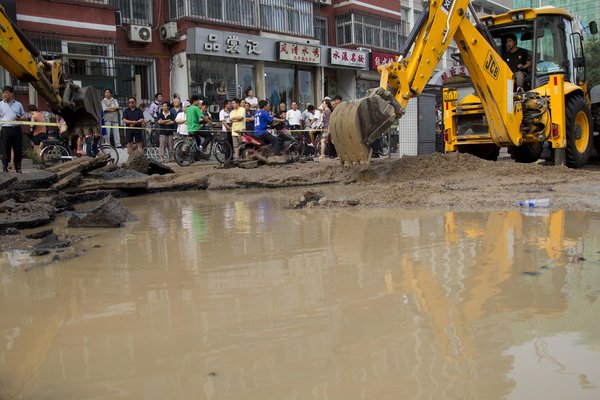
{"x":355,"y":124}
{"x":80,"y":108}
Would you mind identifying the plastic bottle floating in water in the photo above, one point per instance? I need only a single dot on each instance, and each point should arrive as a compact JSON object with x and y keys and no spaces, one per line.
{"x":533,"y":203}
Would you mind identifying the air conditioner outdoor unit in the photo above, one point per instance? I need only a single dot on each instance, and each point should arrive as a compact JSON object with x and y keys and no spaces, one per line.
{"x":324,"y":2}
{"x":169,"y":32}
{"x":139,"y":33}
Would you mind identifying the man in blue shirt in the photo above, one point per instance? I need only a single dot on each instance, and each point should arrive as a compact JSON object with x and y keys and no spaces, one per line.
{"x":11,"y":110}
{"x":261,"y":119}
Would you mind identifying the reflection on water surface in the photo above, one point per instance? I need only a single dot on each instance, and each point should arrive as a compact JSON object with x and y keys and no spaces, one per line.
{"x":229,"y":296}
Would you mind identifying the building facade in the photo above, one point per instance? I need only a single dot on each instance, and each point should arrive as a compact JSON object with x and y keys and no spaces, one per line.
{"x":584,"y":11}
{"x":284,"y":50}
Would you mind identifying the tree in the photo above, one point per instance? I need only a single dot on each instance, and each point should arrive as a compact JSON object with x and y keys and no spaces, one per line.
{"x":592,"y":61}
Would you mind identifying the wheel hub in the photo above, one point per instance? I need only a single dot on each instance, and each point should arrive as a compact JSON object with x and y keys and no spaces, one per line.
{"x":578,"y":132}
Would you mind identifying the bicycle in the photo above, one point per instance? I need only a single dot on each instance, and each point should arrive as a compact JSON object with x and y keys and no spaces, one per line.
{"x":187,"y":151}
{"x":57,"y":151}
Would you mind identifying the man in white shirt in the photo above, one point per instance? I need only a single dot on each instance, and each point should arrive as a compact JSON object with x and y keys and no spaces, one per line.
{"x":294,"y":117}
{"x":110,"y":107}
{"x":224,"y":116}
{"x":253,"y":101}
{"x":225,"y":121}
{"x":11,"y":110}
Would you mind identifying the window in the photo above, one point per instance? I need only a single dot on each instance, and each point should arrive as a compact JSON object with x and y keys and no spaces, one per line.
{"x":239,"y":12}
{"x":344,"y":29}
{"x":321,"y":29}
{"x":88,"y":59}
{"x":289,"y":16}
{"x":363,"y":30}
{"x":135,"y":12}
{"x":127,"y":69}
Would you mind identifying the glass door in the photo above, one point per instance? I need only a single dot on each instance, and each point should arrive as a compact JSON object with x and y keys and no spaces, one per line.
{"x":245,"y":80}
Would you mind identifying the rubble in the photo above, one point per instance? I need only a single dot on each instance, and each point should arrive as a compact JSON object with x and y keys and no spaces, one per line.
{"x":110,"y":213}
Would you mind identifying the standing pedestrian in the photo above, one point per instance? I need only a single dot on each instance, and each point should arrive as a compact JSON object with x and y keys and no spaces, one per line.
{"x":156,"y":105}
{"x":226,"y":122}
{"x":306,"y":116}
{"x":182,"y":129}
{"x":110,"y":107}
{"x":327,"y":110}
{"x":39,"y":131}
{"x":238,"y":119}
{"x":11,"y":110}
{"x":249,"y":118}
{"x":251,"y":100}
{"x":294,"y":117}
{"x":166,"y":122}
{"x":133,"y":118}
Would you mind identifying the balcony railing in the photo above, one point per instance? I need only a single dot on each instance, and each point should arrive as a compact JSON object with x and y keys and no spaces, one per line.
{"x":286,"y":16}
{"x":235,"y":12}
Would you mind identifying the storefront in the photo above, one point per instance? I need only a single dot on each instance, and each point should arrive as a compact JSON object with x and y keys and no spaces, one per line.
{"x":341,"y":71}
{"x":370,"y":79}
{"x":292,"y":78}
{"x":223,"y":65}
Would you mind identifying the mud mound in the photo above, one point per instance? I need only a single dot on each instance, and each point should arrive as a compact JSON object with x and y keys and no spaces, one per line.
{"x":451,"y":166}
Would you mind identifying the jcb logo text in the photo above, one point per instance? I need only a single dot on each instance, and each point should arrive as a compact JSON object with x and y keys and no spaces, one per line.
{"x":491,"y":66}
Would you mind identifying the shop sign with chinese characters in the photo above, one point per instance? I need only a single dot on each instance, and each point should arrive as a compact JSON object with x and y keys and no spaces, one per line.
{"x":348,"y":58}
{"x":378,"y":59}
{"x":299,"y":52}
{"x":230,"y":44}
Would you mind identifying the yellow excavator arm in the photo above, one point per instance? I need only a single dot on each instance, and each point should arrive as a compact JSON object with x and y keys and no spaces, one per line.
{"x":354,"y":125}
{"x":79,"y":107}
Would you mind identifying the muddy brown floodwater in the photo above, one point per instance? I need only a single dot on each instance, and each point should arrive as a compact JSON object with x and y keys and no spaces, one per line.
{"x":227,"y":295}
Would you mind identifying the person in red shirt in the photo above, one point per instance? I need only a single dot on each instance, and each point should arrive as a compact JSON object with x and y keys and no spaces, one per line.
{"x":39,"y":131}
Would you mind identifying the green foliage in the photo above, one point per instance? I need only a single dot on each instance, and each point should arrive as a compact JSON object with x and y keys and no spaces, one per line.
{"x":592,"y":61}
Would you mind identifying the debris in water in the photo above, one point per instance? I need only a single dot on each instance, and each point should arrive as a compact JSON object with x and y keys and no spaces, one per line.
{"x":531,"y":273}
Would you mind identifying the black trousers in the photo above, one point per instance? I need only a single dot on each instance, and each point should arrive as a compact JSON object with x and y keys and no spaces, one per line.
{"x":12,"y":139}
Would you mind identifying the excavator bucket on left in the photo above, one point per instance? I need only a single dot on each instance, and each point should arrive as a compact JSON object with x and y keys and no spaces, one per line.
{"x":79,"y":107}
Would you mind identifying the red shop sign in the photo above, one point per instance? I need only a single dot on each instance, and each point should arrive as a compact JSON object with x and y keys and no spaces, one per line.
{"x":378,"y":59}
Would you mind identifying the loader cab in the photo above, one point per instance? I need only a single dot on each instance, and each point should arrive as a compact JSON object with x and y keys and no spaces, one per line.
{"x":551,"y":43}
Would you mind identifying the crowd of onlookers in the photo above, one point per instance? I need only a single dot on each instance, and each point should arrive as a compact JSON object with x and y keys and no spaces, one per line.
{"x":160,"y":123}
{"x":163,"y":120}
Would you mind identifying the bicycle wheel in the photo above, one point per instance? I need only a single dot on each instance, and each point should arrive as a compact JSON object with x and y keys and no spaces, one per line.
{"x":112,"y":152}
{"x":317,"y":145}
{"x":222,"y":151}
{"x":148,"y":152}
{"x":184,"y":153}
{"x":54,"y":154}
{"x":384,"y":149}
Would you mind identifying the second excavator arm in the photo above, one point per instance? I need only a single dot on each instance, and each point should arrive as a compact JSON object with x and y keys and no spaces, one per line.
{"x":79,"y":107}
{"x":354,"y":125}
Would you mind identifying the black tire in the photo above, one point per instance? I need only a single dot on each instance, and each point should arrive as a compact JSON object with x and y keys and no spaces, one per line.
{"x":488,"y":152}
{"x":596,"y":117}
{"x":579,"y":131}
{"x":222,"y":151}
{"x":384,"y":148}
{"x":53,"y":154}
{"x":294,"y":151}
{"x":245,"y":152}
{"x":183,"y":156}
{"x":112,"y":152}
{"x":528,"y":152}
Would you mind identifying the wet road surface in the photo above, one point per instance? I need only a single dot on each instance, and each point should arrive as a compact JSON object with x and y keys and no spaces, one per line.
{"x":229,"y":296}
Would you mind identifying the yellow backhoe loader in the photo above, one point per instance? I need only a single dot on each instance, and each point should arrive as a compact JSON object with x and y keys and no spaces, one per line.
{"x":79,"y":107}
{"x":553,"y":106}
